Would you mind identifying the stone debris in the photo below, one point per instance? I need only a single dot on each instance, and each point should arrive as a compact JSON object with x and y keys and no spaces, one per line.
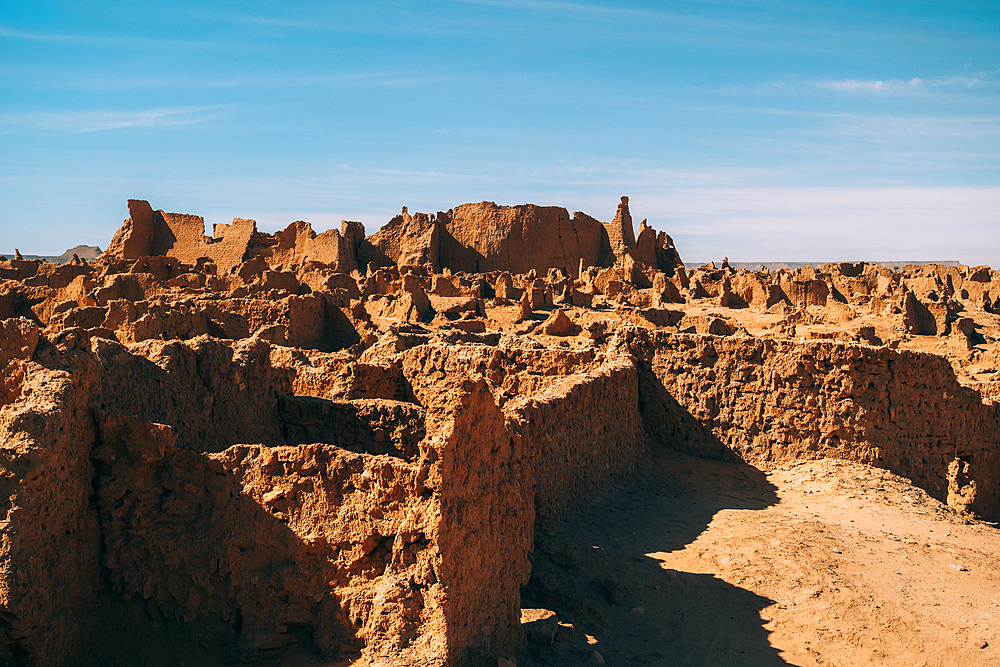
{"x":557,"y":324}
{"x":615,"y":590}
{"x":539,"y":625}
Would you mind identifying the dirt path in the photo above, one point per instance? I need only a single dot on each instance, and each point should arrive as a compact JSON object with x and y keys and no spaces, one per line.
{"x":815,"y":563}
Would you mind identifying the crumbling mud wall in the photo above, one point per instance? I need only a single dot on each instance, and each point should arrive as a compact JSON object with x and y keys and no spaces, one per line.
{"x":486,"y":523}
{"x":974,"y":481}
{"x":575,"y":413}
{"x":211,"y":392}
{"x":253,"y":497}
{"x":770,"y":401}
{"x":482,"y":237}
{"x":581,"y":431}
{"x":399,"y":372}
{"x":403,"y":533}
{"x":473,"y":238}
{"x":406,"y":240}
{"x":49,"y":552}
{"x":212,"y":545}
{"x":147,"y":232}
{"x":18,"y":340}
{"x":298,"y":244}
{"x":253,"y":548}
{"x":412,"y":547}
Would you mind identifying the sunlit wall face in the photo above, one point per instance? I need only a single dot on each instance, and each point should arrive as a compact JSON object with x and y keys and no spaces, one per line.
{"x":761,"y":131}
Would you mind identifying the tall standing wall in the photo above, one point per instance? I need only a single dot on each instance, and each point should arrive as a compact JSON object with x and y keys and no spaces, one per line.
{"x":769,"y":401}
{"x":580,"y":432}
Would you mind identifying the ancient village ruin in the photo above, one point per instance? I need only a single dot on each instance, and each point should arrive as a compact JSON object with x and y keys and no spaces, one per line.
{"x":252,"y":440}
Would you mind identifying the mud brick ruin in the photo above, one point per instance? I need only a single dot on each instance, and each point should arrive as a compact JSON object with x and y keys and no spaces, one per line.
{"x":249,"y":440}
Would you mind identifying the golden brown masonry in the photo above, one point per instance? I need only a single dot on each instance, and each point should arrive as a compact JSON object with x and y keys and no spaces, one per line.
{"x":249,"y":441}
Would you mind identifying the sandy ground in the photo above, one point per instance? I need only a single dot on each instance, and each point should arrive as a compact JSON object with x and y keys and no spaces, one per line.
{"x":813,"y":563}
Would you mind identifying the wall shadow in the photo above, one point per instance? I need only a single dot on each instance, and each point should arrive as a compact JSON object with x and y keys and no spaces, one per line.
{"x":669,"y":423}
{"x":195,"y":569}
{"x":593,"y":571}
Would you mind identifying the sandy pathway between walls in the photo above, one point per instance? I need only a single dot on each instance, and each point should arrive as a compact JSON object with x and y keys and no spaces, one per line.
{"x":813,"y":563}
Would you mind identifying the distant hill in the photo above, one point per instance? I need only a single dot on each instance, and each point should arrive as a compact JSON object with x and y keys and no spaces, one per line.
{"x":87,"y":252}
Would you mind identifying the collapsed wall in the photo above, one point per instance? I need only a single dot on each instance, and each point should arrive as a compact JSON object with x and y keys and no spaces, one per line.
{"x":471,"y":238}
{"x":196,"y":497}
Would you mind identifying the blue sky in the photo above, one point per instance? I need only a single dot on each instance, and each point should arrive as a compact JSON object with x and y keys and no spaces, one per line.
{"x":762,"y":130}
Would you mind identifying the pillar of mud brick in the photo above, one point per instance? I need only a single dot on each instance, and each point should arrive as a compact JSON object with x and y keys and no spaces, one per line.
{"x":49,"y":538}
{"x":486,"y":523}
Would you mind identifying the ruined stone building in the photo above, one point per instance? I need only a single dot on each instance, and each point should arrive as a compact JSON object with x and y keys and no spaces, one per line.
{"x":251,"y":440}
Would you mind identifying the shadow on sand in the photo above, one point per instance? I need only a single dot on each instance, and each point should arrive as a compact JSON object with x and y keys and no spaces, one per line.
{"x":593,"y":570}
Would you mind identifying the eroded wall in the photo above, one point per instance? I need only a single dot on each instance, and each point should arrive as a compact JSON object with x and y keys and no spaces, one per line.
{"x":383,"y":507}
{"x":770,"y":401}
{"x":50,"y":546}
{"x":581,"y":431}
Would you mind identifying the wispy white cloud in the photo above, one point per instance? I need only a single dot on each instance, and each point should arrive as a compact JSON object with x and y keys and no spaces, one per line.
{"x":96,"y":121}
{"x":888,"y":127}
{"x":960,"y":120}
{"x":915,"y":86}
{"x":890,"y":86}
{"x":13,"y":33}
{"x":267,"y":21}
{"x":339,"y":18}
{"x":748,"y":26}
{"x":559,"y":6}
{"x":20,"y":34}
{"x":870,"y":86}
{"x":126,"y":42}
{"x":35,"y":78}
{"x":966,"y":81}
